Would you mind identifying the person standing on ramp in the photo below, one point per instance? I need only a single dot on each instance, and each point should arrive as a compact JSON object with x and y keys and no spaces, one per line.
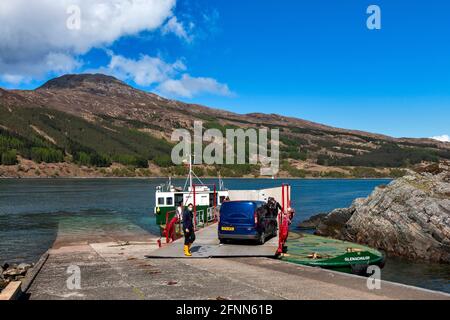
{"x":188,"y":229}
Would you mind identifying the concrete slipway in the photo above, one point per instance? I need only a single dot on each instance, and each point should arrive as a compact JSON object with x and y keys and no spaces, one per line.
{"x":128,"y":265}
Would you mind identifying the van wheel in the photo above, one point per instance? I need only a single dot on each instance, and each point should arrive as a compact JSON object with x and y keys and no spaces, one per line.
{"x":262,"y":238}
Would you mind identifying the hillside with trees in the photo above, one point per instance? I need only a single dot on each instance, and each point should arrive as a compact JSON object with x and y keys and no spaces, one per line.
{"x":103,"y":125}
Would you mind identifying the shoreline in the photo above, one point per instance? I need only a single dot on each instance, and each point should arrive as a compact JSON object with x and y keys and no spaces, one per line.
{"x":181,"y":178}
{"x":27,"y":169}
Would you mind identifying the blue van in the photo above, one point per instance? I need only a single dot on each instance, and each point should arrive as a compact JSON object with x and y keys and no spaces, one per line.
{"x":246,"y":220}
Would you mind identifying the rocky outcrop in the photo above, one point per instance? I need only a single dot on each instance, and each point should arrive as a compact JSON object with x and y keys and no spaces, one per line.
{"x":313,"y":222}
{"x":333,"y":224}
{"x":9,"y":273}
{"x":410,"y":217}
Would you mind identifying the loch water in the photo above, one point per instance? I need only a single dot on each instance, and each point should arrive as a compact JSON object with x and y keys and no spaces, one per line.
{"x":32,"y":212}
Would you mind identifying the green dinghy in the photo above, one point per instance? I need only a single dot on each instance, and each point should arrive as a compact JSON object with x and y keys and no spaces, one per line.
{"x":315,"y":251}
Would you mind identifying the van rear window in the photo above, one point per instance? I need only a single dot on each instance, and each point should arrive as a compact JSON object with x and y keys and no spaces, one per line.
{"x":241,"y":207}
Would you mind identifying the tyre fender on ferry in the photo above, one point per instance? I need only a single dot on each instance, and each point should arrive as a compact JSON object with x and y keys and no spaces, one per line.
{"x":359,"y":269}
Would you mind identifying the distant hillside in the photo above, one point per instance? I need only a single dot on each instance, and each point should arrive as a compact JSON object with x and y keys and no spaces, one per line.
{"x":97,"y":120}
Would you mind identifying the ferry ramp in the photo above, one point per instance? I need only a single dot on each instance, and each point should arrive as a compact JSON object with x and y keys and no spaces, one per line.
{"x":207,"y":245}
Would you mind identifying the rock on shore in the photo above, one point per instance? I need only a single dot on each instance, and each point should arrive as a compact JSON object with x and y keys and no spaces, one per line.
{"x":14,"y":272}
{"x":410,"y":217}
{"x":313,"y":222}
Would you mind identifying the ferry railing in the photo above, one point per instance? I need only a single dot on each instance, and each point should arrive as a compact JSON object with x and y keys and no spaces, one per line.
{"x":213,"y":214}
{"x":200,"y":219}
{"x":194,"y":189}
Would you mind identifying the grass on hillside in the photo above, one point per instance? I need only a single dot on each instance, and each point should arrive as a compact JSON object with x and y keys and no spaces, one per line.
{"x":62,"y":135}
{"x":47,"y":135}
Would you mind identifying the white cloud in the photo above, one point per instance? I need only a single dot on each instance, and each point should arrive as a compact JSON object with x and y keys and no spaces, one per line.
{"x":60,"y":62}
{"x":176,"y":27}
{"x":188,"y":86}
{"x":443,"y":138}
{"x":35,"y":39}
{"x":145,"y":71}
{"x":12,"y":79}
{"x":24,"y":71}
{"x":169,"y":79}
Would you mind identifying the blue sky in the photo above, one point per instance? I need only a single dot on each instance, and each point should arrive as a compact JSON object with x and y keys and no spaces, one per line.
{"x":315,"y":60}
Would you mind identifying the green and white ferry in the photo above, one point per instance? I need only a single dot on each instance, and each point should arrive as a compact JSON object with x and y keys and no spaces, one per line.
{"x":205,"y":197}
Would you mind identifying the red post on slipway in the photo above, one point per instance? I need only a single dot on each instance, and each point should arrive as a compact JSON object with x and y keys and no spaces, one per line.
{"x":283,"y":221}
{"x":288,"y":196}
{"x":195,"y":208}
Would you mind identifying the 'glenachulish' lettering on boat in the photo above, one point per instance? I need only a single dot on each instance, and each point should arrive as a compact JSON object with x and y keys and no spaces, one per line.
{"x":352,"y":259}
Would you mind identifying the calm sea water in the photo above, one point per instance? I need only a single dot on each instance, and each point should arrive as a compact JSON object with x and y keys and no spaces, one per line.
{"x":32,"y":210}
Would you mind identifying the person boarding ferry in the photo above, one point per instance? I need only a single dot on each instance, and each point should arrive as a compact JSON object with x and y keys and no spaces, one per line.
{"x":188,"y":229}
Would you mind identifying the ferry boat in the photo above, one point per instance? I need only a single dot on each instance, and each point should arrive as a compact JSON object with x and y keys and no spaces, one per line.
{"x":206,"y":198}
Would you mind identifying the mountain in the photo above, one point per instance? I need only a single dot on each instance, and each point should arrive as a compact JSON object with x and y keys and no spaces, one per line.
{"x":96,"y":120}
